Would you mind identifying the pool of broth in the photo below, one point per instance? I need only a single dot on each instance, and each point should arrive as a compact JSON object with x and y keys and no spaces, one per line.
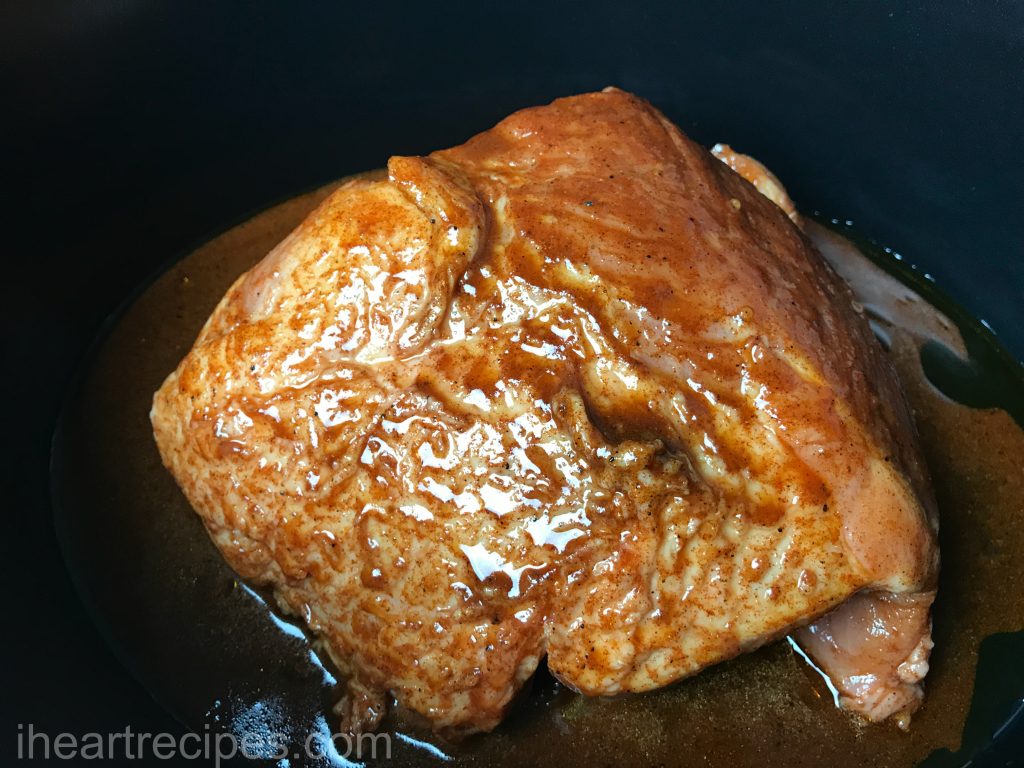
{"x":211,"y":650}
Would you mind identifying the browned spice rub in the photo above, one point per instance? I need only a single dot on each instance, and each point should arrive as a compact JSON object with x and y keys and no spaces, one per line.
{"x":575,"y":389}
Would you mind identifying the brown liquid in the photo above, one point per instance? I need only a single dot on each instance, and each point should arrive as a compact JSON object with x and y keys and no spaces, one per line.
{"x":766,"y":708}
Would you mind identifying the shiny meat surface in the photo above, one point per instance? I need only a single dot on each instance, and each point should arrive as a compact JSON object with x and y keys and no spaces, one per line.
{"x":874,"y":648}
{"x":571,"y":389}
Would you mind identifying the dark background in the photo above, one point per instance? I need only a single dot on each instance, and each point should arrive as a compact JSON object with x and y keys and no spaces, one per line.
{"x":134,"y":130}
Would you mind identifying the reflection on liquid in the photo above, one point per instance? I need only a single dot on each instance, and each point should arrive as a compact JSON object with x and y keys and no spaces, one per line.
{"x":810,"y":662}
{"x":425,"y":746}
{"x":291,"y":630}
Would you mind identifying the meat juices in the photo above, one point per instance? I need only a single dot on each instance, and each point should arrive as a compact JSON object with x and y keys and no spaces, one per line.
{"x":575,"y":389}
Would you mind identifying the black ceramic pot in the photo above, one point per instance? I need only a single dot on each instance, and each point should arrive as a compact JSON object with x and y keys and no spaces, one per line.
{"x":136,"y":130}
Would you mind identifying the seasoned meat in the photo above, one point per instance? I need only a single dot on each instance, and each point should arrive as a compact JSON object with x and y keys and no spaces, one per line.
{"x":572,"y":390}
